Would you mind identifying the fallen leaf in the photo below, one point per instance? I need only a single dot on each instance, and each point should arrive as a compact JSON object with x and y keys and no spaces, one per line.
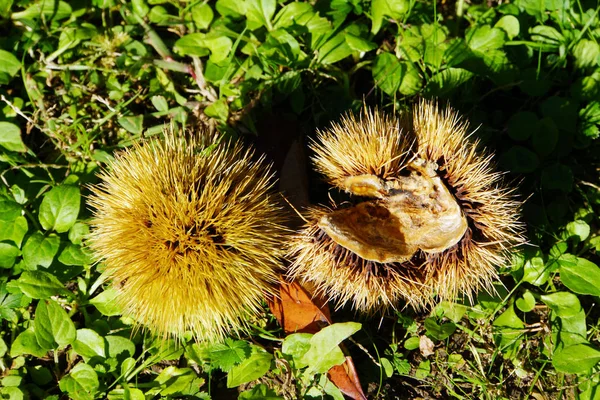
{"x":426,"y":346}
{"x":298,"y":311}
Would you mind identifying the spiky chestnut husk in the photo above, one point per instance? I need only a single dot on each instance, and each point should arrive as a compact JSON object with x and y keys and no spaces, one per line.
{"x":388,"y":145}
{"x":189,"y":235}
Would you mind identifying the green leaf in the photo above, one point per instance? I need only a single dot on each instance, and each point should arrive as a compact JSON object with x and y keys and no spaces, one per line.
{"x":324,"y":351}
{"x":564,"y":304}
{"x":293,"y":12}
{"x":510,"y":25}
{"x":545,"y":138}
{"x":411,"y":81}
{"x":49,"y":9}
{"x":232,"y":8}
{"x":81,"y":383}
{"x":132,"y":124}
{"x":229,"y":353}
{"x":522,"y":125}
{"x":140,"y":7}
{"x":14,"y":230}
{"x":282,"y":48}
{"x":78,"y":232}
{"x":160,"y":103}
{"x":581,"y":276}
{"x":485,"y":38}
{"x":527,"y":302}
{"x":89,"y":344}
{"x":53,"y":327}
{"x":333,"y":50}
{"x":586,"y":53}
{"x":250,"y":369}
{"x":218,"y":110}
{"x":40,"y":285}
{"x":118,"y":346}
{"x":519,"y":159}
{"x":5,"y":7}
{"x":395,"y":9}
{"x":10,"y":134}
{"x":547,"y":35}
{"x":259,"y":13}
{"x":579,"y":229}
{"x":75,"y":255}
{"x":296,"y":345}
{"x":106,"y":302}
{"x":447,"y":81}
{"x":438,"y":332}
{"x":9,"y":210}
{"x":8,"y":255}
{"x":39,"y":250}
{"x":200,"y":44}
{"x":60,"y":207}
{"x":387,"y":73}
{"x":202,"y":15}
{"x":9,"y":67}
{"x":9,"y":301}
{"x":423,"y":370}
{"x":357,"y":43}
{"x":557,"y":177}
{"x":26,"y":343}
{"x":576,"y":359}
{"x":535,"y":271}
{"x":412,"y":343}
{"x":507,"y":329}
{"x":260,"y":392}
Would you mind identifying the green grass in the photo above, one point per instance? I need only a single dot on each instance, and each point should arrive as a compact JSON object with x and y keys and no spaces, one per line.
{"x":80,"y":80}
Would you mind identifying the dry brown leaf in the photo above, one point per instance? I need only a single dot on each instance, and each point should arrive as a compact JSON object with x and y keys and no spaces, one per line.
{"x":297,"y":311}
{"x":426,"y":346}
